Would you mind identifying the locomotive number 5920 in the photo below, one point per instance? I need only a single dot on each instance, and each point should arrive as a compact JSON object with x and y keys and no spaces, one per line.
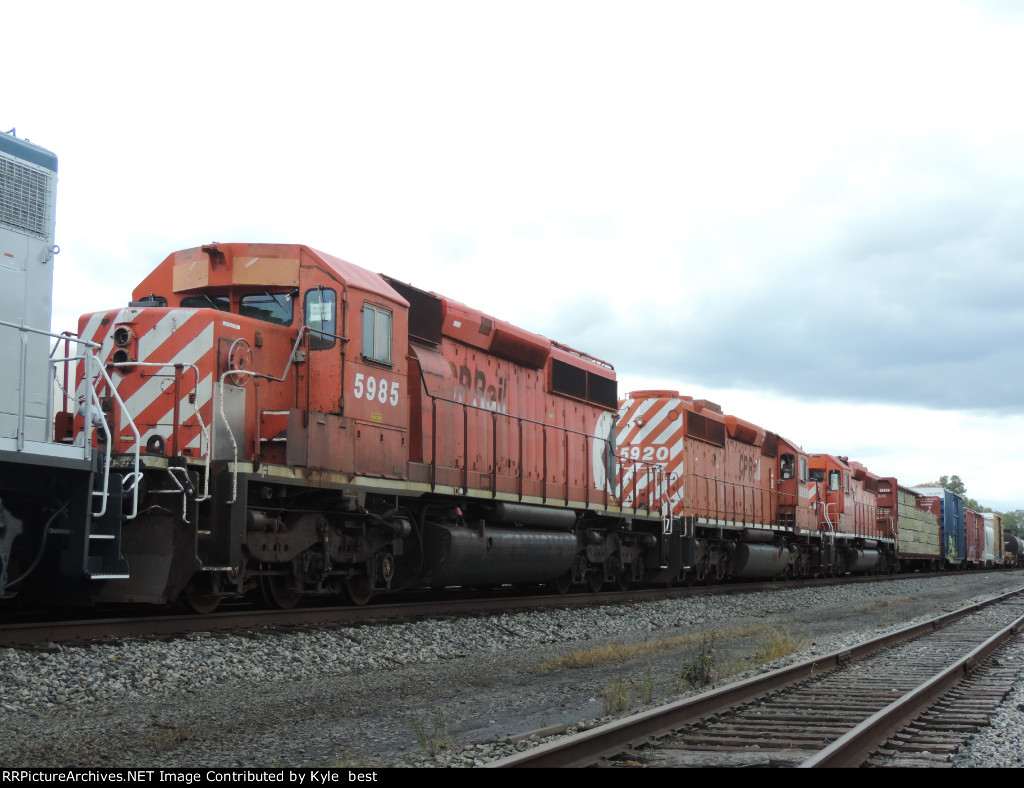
{"x":646,"y":453}
{"x":370,"y":388}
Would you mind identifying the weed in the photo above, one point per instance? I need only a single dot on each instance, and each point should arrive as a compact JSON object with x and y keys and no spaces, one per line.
{"x":699,"y":670}
{"x":647,"y":686}
{"x":616,"y":696}
{"x":432,"y":741}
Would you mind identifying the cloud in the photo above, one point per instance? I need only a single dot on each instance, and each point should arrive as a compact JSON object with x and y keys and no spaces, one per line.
{"x":796,"y":199}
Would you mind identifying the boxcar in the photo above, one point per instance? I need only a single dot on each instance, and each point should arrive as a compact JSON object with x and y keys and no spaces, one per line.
{"x":949,"y":507}
{"x":919,"y":533}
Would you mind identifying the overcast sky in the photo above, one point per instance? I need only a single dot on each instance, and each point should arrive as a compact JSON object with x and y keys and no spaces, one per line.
{"x":809,"y":212}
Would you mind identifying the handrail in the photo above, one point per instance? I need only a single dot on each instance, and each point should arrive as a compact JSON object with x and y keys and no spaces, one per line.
{"x":565,"y":434}
{"x":91,"y":359}
{"x":203,"y":429}
{"x":303,"y":330}
{"x":23,"y":370}
{"x":90,"y":399}
{"x":631,"y":471}
{"x":724,"y":504}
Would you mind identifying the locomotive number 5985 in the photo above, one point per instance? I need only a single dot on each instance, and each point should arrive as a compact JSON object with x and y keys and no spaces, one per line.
{"x":370,"y":388}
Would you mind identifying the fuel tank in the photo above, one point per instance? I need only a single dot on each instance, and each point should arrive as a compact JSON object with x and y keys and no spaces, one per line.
{"x":759,"y":560}
{"x":861,"y":560}
{"x":463,"y":555}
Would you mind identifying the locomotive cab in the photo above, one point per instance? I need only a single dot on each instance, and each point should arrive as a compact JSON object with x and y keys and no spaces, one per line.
{"x":796,"y":492}
{"x":234,"y":358}
{"x":857,"y":535}
{"x":261,"y":337}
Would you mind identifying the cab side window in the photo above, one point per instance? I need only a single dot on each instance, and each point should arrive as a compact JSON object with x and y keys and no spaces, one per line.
{"x":376,"y":333}
{"x":321,"y":317}
{"x":221,"y":302}
{"x":271,"y":307}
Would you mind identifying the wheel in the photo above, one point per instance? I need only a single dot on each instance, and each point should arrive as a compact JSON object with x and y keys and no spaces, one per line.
{"x":562,"y":585}
{"x":202,"y":604}
{"x":199,"y":595}
{"x":277,"y":593}
{"x":358,"y":590}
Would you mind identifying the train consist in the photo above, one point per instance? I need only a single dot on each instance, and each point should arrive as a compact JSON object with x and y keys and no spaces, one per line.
{"x":267,"y":420}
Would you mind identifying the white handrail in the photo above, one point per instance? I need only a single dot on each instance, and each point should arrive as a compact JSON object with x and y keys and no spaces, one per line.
{"x":253,"y":374}
{"x":204,"y":431}
{"x":106,"y":430}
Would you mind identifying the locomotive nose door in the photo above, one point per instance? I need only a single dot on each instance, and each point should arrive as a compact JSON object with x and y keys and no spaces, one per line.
{"x":326,"y":359}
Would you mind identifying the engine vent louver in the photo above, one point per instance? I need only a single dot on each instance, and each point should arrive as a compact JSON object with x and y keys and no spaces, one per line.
{"x":26,"y":197}
{"x":705,"y":429}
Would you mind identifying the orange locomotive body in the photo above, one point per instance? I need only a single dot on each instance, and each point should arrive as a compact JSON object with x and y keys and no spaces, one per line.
{"x":750,"y":503}
{"x":719,"y":482}
{"x":848,"y":514}
{"x":306,"y":426}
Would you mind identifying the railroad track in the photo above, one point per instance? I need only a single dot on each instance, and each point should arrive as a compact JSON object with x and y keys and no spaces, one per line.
{"x":911,"y":696}
{"x":166,"y":623}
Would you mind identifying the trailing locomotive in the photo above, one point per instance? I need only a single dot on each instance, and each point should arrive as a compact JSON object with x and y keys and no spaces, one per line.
{"x":749,"y":503}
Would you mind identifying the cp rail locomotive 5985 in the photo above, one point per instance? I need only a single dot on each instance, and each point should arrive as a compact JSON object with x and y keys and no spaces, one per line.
{"x":304,"y":426}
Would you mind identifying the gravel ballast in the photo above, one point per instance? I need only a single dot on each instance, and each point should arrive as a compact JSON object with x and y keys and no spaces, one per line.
{"x":433,"y":693}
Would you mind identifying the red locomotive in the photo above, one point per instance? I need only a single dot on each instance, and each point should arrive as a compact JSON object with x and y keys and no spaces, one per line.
{"x":751,"y":504}
{"x":304,"y":426}
{"x":719,"y":483}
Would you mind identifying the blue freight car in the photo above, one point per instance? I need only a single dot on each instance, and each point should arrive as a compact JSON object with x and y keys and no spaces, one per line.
{"x":950,"y":510}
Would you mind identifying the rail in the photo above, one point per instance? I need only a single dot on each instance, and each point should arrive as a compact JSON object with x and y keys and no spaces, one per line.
{"x":303,"y":331}
{"x":717,"y":499}
{"x":179,"y":369}
{"x":90,"y":405}
{"x":558,"y":446}
{"x":598,"y":746}
{"x":588,"y":444}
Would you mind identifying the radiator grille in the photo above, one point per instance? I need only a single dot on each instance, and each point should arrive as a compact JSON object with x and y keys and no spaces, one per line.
{"x":26,"y":194}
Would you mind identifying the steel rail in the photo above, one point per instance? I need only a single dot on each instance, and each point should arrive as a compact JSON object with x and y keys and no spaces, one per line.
{"x":854,"y":747}
{"x":612,"y":738}
{"x":161,"y":622}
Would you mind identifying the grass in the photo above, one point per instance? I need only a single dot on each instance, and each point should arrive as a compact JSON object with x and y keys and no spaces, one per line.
{"x":613,"y":653}
{"x":775,"y":645}
{"x":434,"y":737}
{"x":701,"y":665}
{"x":168,"y":736}
{"x":647,"y":686}
{"x":616,"y":696}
